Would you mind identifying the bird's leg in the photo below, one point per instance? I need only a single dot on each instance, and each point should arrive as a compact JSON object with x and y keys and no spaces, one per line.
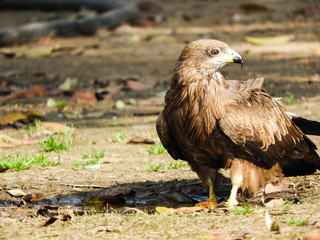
{"x":232,"y":201}
{"x":212,"y":195}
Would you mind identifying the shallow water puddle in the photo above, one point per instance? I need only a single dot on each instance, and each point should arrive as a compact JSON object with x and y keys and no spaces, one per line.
{"x":146,"y":196}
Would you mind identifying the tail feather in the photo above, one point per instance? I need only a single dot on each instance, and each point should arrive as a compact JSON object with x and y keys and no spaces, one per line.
{"x":308,"y":127}
{"x":297,"y":162}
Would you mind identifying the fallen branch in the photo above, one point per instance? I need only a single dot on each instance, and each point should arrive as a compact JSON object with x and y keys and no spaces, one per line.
{"x":113,"y":13}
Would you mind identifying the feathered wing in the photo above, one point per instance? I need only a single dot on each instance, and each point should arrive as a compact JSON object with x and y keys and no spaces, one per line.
{"x":166,"y":139}
{"x":261,"y":127}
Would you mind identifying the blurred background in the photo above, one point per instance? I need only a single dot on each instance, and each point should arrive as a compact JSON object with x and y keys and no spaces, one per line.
{"x":82,"y":83}
{"x":69,"y":58}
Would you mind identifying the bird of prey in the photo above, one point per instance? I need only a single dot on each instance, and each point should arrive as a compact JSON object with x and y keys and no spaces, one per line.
{"x":217,"y":124}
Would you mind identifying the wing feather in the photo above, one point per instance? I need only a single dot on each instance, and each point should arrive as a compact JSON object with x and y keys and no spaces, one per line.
{"x":166,"y":139}
{"x":260,"y":126}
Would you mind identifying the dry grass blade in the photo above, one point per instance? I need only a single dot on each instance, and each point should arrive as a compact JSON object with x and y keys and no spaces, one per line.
{"x":128,"y":210}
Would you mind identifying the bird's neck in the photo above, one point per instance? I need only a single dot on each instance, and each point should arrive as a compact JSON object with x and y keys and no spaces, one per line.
{"x":206,"y":89}
{"x":199,"y":82}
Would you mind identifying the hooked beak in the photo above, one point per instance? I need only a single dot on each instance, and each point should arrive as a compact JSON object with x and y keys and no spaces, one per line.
{"x":236,"y":58}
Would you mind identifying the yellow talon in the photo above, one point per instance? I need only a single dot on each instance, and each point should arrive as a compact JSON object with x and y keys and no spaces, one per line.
{"x":212,"y":195}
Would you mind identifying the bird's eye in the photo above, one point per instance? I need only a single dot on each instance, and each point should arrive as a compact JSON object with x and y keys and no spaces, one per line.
{"x":214,"y":52}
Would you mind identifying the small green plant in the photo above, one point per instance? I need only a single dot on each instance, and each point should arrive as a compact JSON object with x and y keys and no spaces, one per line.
{"x":58,"y":103}
{"x":243,"y":210}
{"x":119,"y":136}
{"x":152,"y":167}
{"x":294,"y":222}
{"x":92,"y":159}
{"x":34,"y":129}
{"x":68,"y":131}
{"x":56,"y":143}
{"x":287,"y":202}
{"x":3,"y":139}
{"x":18,"y":162}
{"x":94,"y":155}
{"x":157,"y":150}
{"x":176,"y":164}
{"x":86,"y":163}
{"x":290,"y":99}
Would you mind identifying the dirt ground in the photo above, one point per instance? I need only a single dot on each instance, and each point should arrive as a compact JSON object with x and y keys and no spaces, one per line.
{"x":291,"y":70}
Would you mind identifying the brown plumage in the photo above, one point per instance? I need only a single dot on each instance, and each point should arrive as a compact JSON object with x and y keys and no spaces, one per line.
{"x":213,"y":123}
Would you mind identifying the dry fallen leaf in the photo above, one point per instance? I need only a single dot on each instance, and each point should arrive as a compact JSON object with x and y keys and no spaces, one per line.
{"x":154,"y":101}
{"x":274,"y":202}
{"x":34,"y":91}
{"x":183,"y":210}
{"x":137,"y":140}
{"x":56,"y":127}
{"x":141,"y":138}
{"x":280,"y":39}
{"x":272,"y":225}
{"x":128,"y":210}
{"x":69,"y":85}
{"x":15,"y":142}
{"x":13,"y":117}
{"x":31,"y":197}
{"x":274,"y":55}
{"x":7,"y":145}
{"x":83,"y":96}
{"x":214,"y":236}
{"x":64,"y":217}
{"x":313,"y":236}
{"x":137,"y":86}
{"x":35,"y":52}
{"x":50,"y":221}
{"x":207,"y":204}
{"x":271,"y":188}
{"x":16,"y":193}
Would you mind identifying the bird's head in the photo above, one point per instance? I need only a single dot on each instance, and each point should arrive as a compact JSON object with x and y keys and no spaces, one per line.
{"x":209,"y":54}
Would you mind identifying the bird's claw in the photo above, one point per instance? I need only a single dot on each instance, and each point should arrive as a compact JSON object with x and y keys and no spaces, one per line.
{"x":231,"y":203}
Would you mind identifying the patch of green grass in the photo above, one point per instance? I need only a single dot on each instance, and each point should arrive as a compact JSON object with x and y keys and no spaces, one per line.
{"x":87,"y":163}
{"x":94,"y":155}
{"x":68,"y":132}
{"x":290,"y":99}
{"x":92,"y":159}
{"x":18,"y":162}
{"x":57,"y":143}
{"x":157,"y":149}
{"x":243,"y":210}
{"x":34,"y":129}
{"x":296,"y":222}
{"x":119,"y":136}
{"x":176,"y":164}
{"x":152,"y":167}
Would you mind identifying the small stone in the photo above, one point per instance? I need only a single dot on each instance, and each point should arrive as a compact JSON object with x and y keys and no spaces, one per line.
{"x":120,"y":104}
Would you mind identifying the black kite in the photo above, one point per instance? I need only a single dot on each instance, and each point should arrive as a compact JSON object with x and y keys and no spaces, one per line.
{"x":213,"y":123}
